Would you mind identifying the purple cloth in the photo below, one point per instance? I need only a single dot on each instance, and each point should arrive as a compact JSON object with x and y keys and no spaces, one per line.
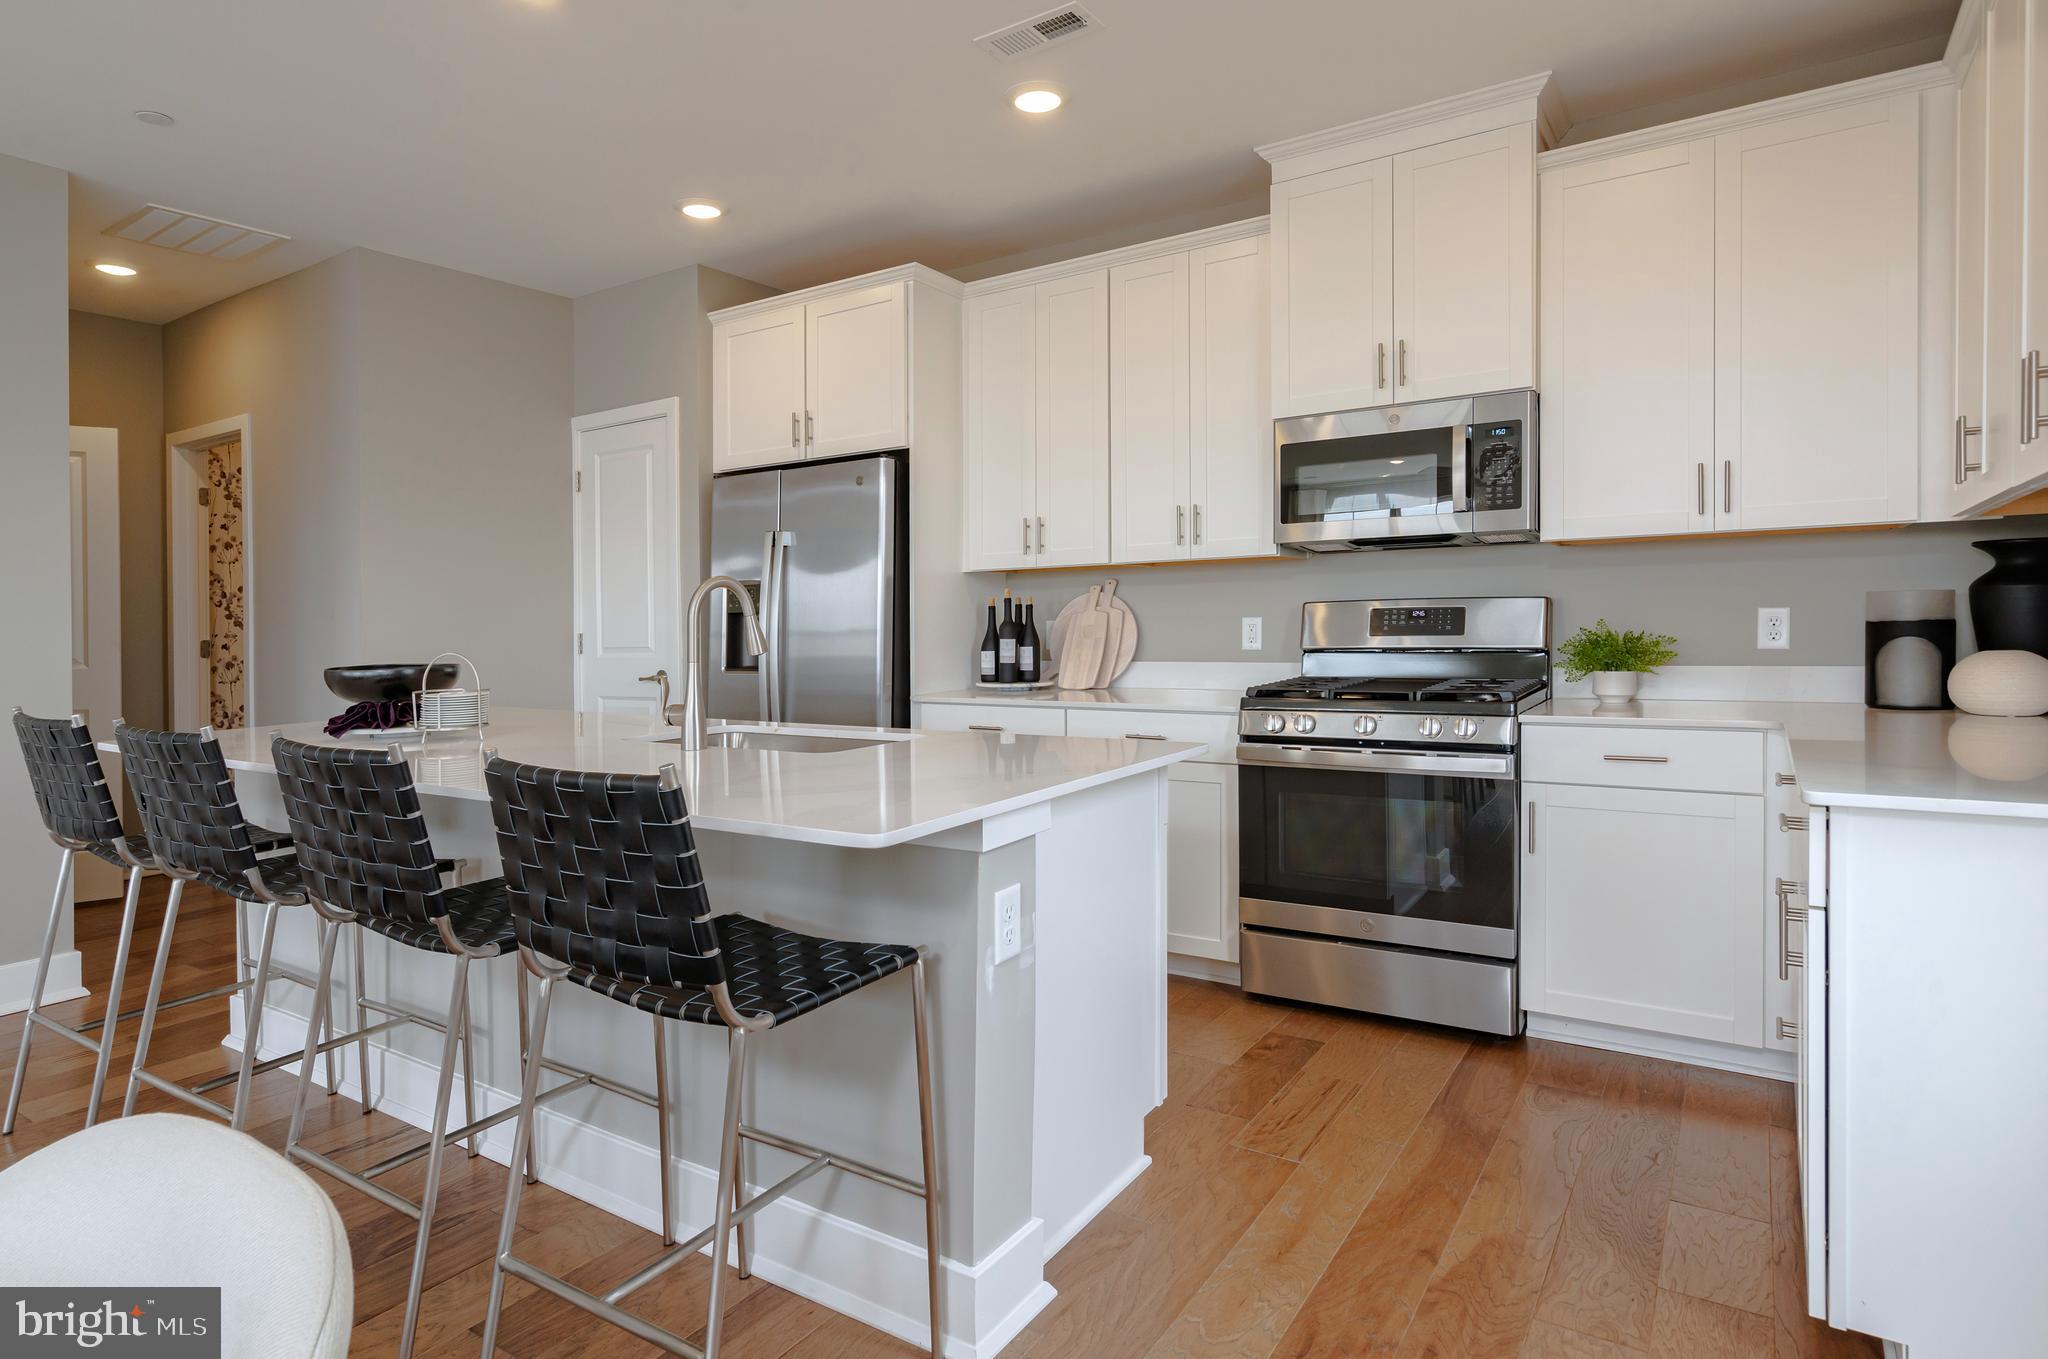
{"x":372,"y":717}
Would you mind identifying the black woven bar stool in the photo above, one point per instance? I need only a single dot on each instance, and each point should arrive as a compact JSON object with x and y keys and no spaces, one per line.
{"x":196,"y":832}
{"x":78,"y":810}
{"x":365,"y":859}
{"x":606,"y":893}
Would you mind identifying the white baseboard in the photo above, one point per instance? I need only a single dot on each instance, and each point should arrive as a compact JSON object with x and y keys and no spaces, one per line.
{"x":1766,"y":1062}
{"x":834,"y":1261}
{"x":63,"y":983}
{"x":1202,"y":969}
{"x":1056,"y":1241}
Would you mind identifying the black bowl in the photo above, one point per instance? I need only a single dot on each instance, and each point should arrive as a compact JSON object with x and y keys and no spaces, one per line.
{"x":385,"y":683}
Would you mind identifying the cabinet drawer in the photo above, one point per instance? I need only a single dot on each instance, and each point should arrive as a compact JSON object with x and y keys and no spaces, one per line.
{"x":1010,"y":717}
{"x":1214,"y":730}
{"x":1645,"y":757}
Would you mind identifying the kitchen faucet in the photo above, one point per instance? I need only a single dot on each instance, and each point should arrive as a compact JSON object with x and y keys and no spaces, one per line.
{"x":693,"y":678}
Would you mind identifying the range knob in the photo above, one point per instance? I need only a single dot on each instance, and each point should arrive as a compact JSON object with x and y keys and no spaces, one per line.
{"x":1304,"y":723}
{"x":1366,"y":726}
{"x":1431,"y":726}
{"x":1465,"y":728}
{"x":1275,"y":723}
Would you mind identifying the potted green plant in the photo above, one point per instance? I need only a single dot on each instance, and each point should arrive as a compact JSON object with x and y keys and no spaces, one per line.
{"x":1617,"y":661}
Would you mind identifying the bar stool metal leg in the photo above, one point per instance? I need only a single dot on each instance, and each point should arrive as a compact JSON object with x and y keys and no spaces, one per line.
{"x":525,"y":1046}
{"x":468,"y":1078}
{"x":931,"y":1152}
{"x":362,"y":1023}
{"x":252,"y":1019}
{"x":114,"y":986}
{"x":728,"y":1166}
{"x":156,"y":991}
{"x":330,"y":935}
{"x":739,"y":1194}
{"x":668,"y":1205}
{"x":522,"y":1148}
{"x":35,"y":995}
{"x":458,"y":1006}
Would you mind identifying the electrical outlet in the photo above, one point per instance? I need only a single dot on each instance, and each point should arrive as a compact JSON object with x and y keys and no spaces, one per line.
{"x":1773,"y":628}
{"x":1009,"y":922}
{"x":1252,"y":639}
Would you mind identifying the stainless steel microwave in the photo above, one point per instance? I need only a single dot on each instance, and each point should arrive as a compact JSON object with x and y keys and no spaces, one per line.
{"x":1421,"y":475}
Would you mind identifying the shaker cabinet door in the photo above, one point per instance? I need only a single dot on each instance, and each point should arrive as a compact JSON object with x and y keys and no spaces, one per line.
{"x":1148,"y":404}
{"x":1230,"y":426}
{"x":1333,"y":289}
{"x":857,"y":352}
{"x":757,"y":389}
{"x":1201,"y":839}
{"x":1000,"y":445}
{"x":1071,"y":517}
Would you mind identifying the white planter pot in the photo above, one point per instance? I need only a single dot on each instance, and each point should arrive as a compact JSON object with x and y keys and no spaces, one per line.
{"x":1616,"y":686}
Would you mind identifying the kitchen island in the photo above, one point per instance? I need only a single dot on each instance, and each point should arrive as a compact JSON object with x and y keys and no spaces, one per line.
{"x":1046,"y":1063}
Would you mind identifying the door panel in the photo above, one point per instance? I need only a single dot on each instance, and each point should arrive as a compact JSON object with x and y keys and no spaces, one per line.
{"x":1001,"y":429}
{"x":96,"y":617}
{"x":836,"y":592}
{"x":757,"y":389}
{"x":1071,"y":521}
{"x":1148,"y":385}
{"x":858,"y":394}
{"x":1201,"y":855}
{"x":1333,"y":281}
{"x":1628,"y":344}
{"x":1230,"y":428}
{"x":627,"y":575}
{"x":1465,"y":265}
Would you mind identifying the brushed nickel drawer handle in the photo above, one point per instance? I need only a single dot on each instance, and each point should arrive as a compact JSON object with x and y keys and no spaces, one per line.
{"x":1794,"y":823}
{"x":1788,"y":781}
{"x":1789,"y":957}
{"x":1727,"y":486}
{"x":1702,"y":480}
{"x":1142,"y":736}
{"x":1788,"y":1029}
{"x":1383,"y":363}
{"x":1637,"y":759}
{"x":1531,"y":848}
{"x":980,"y":726}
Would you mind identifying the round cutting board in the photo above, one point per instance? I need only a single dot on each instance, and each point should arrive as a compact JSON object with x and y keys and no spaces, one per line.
{"x":1112,"y":666}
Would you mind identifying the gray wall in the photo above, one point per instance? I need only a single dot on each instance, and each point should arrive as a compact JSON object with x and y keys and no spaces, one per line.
{"x":35,"y":526}
{"x":117,"y":380}
{"x":1705,"y":592}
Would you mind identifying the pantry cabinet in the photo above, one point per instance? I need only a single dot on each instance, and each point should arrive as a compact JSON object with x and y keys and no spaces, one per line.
{"x":1733,"y":334}
{"x":813,"y":379}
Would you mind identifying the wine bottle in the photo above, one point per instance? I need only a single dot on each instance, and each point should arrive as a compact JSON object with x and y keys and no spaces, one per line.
{"x":1006,"y":644}
{"x":1027,"y":643}
{"x":986,"y":669}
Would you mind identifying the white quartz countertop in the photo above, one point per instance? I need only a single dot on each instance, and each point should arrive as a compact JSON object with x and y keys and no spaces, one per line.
{"x":1152,"y":700}
{"x":1847,"y":755}
{"x":912,"y":785}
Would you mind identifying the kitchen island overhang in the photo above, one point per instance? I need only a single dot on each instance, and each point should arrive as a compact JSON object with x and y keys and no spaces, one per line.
{"x":1045,"y":1064}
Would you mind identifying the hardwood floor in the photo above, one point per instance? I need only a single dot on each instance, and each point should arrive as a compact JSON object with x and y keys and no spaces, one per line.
{"x":1322,"y":1185}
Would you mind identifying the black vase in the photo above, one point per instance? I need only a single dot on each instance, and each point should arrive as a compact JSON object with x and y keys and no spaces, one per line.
{"x":2009,"y":603}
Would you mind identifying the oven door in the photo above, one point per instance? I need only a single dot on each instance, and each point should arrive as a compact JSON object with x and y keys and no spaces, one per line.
{"x":1397,"y":847}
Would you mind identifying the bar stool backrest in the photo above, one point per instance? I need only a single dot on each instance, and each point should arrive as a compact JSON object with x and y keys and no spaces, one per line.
{"x":70,"y":786}
{"x":362,"y":840}
{"x":603,"y":874}
{"x":190,"y":813}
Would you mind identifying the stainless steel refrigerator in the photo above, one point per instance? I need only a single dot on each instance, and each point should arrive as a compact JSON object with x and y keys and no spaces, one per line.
{"x":824,"y":550}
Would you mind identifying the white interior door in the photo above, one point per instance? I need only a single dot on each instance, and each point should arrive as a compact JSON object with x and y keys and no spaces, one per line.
{"x":628,"y":567}
{"x":96,"y":613}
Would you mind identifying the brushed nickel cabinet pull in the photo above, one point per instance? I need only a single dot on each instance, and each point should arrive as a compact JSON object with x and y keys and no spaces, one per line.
{"x":1180,"y":525}
{"x":1794,"y":823}
{"x":980,"y":726}
{"x":1964,"y":432}
{"x":1530,"y":847}
{"x":1788,"y":957}
{"x":1382,"y":363}
{"x":1142,"y":736}
{"x":1041,"y":535}
{"x":795,"y":432}
{"x":1727,"y":486}
{"x":1027,"y":535}
{"x":1401,"y":366}
{"x":2028,"y":373}
{"x":810,"y":434}
{"x":1788,"y":1029}
{"x":1788,"y":781}
{"x":1638,"y":759}
{"x":1702,"y":468}
{"x":1198,"y":525}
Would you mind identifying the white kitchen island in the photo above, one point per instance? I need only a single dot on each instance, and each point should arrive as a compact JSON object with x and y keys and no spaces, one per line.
{"x":1045,"y":1064}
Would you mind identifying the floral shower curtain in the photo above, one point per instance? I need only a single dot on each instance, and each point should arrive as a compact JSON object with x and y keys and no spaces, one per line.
{"x":226,"y":705}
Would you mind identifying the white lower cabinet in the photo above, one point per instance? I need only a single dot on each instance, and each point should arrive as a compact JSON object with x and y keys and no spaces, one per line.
{"x":996,"y":717}
{"x":1786,"y":893}
{"x":1640,"y":909}
{"x":1201,"y":856}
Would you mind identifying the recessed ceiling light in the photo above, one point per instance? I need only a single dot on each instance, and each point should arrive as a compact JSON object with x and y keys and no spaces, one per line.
{"x":1036,"y":97}
{"x":117,"y":270}
{"x":153,"y":118}
{"x":702,"y":209}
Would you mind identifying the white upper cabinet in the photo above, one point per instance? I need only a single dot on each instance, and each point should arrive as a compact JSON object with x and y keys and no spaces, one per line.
{"x":1071,"y":518}
{"x":1957,"y":492}
{"x":813,"y":379}
{"x":1465,"y":265}
{"x":1230,"y":430}
{"x":1333,"y":289}
{"x":2031,"y":462}
{"x":1817,"y":318}
{"x":757,"y":379}
{"x":1148,"y":403}
{"x":1001,"y":443}
{"x":856,"y":349}
{"x":1628,"y":344}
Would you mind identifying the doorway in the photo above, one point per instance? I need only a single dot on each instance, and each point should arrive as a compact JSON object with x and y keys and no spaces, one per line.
{"x":210,"y":493}
{"x":628,"y":573}
{"x":96,"y":615}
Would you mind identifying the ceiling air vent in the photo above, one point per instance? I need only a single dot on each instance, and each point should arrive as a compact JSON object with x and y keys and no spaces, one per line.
{"x":175,"y":229}
{"x":1055,"y":25}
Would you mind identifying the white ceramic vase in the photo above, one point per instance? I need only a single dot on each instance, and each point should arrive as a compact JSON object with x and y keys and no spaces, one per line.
{"x":2000,"y":684}
{"x":1616,"y":686}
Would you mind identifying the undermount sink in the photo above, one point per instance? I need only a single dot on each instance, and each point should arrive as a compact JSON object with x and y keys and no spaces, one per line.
{"x":800,"y":743}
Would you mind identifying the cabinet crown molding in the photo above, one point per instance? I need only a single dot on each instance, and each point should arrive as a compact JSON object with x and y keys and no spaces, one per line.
{"x":1913,"y":79}
{"x":1965,"y":38}
{"x":1129,"y":254}
{"x":907,"y":273}
{"x":1531,"y":98}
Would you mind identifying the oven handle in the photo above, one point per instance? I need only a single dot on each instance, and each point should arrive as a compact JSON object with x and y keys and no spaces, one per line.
{"x":1379,"y":761}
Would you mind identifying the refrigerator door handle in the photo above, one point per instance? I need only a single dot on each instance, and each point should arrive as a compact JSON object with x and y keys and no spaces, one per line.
{"x":773,"y":582}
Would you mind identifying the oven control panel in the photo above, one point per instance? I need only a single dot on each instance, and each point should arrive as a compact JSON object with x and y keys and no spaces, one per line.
{"x":1283,"y":726}
{"x":1443,"y":620}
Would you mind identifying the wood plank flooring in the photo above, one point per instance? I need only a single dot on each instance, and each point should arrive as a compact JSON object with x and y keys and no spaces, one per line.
{"x":1322,"y":1185}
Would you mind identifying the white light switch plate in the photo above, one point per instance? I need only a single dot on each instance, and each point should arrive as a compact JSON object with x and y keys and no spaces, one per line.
{"x":1251,"y":639}
{"x":1009,"y":922}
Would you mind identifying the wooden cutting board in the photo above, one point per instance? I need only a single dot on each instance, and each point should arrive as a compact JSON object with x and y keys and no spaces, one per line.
{"x":1081,"y":659}
{"x":1111,"y":666}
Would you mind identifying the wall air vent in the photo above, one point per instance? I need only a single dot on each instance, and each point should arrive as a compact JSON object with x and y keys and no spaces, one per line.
{"x":192,"y":234}
{"x":1055,"y":25}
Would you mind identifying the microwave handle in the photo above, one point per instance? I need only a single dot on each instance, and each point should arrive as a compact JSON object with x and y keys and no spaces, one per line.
{"x":1461,"y":468}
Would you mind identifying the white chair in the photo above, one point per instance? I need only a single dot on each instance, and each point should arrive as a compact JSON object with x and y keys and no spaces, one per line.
{"x":177,"y":1201}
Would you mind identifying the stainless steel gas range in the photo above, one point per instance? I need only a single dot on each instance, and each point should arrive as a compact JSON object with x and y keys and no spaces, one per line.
{"x":1378,"y":796}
